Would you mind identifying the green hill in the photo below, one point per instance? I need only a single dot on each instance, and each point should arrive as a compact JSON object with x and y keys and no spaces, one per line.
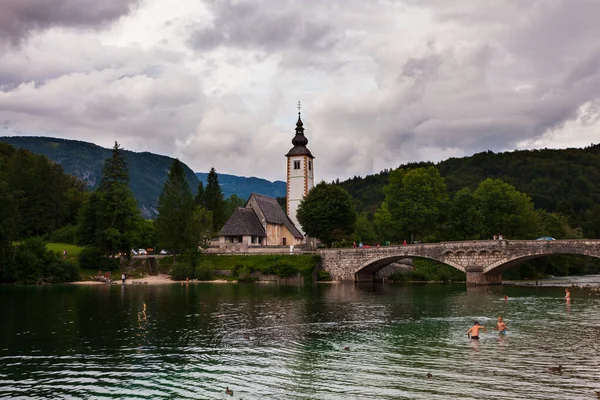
{"x":565,"y":181}
{"x":85,"y":160}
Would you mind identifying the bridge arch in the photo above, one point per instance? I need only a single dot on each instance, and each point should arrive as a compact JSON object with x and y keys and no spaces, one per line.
{"x":515,"y":260}
{"x":373,"y":265}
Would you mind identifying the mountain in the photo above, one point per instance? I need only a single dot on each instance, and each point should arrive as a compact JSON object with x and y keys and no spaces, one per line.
{"x":243,"y":186}
{"x":147,"y":171}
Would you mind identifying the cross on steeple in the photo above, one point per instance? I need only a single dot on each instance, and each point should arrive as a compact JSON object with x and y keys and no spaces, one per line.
{"x":299,"y":107}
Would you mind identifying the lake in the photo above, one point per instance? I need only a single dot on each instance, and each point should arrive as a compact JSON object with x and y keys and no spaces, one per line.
{"x":268,"y":341}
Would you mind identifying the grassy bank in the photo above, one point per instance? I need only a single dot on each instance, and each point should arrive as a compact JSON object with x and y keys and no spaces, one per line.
{"x":241,"y":267}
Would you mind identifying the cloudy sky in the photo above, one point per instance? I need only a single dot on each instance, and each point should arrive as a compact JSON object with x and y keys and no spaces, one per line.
{"x":216,"y":82}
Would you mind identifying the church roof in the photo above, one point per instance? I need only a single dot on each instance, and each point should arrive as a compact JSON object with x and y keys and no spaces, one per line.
{"x":244,"y":221}
{"x":299,"y":141}
{"x":274,"y":214}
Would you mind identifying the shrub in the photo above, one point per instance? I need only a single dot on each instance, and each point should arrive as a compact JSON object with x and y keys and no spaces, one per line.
{"x":398,"y":276}
{"x":204,"y":272}
{"x":34,"y":263}
{"x":417,"y":276}
{"x":66,"y":234}
{"x":181,"y":271}
{"x":243,"y":274}
{"x":93,"y":258}
{"x":323,"y":276}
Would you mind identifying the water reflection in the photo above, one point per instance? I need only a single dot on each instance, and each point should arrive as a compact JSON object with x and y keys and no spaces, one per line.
{"x":269,"y":341}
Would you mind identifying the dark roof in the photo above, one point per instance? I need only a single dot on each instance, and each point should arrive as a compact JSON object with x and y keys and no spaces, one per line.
{"x":274,"y":213}
{"x":244,"y":221}
{"x":299,"y":141}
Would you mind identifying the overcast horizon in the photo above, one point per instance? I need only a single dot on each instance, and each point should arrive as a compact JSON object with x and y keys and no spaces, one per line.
{"x":216,"y":83}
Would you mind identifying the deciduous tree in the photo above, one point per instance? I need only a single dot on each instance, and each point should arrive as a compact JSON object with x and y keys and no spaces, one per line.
{"x":505,"y":210}
{"x":327,"y":213}
{"x":417,"y":200}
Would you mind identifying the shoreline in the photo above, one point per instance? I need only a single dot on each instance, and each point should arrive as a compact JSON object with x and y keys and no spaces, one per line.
{"x":161,"y":279}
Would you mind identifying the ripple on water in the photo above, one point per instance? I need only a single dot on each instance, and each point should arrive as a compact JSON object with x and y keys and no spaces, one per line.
{"x":271,"y":342}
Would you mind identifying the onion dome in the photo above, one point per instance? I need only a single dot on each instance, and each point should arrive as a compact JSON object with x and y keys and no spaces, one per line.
{"x":299,"y":141}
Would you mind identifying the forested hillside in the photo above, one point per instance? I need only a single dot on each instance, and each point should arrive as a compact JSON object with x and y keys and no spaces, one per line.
{"x":563,"y":181}
{"x":243,"y":186}
{"x":85,"y":160}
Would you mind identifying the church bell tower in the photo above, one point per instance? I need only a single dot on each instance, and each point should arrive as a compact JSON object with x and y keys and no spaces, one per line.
{"x":300,"y":172}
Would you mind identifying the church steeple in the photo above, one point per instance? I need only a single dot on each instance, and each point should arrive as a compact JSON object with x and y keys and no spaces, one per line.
{"x":299,"y":141}
{"x":300,"y":174}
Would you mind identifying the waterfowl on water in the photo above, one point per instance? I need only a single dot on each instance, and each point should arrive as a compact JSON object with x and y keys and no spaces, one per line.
{"x":229,"y":391}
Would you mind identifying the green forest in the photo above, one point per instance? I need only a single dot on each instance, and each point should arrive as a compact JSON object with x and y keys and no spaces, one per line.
{"x":520,"y":195}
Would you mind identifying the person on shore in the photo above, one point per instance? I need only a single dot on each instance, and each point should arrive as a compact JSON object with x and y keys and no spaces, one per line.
{"x":123,"y":278}
{"x":501,"y":327}
{"x":354,"y":245}
{"x":473,"y":333}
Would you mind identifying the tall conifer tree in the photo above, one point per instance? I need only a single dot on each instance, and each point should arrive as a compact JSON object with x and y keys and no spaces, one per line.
{"x":200,"y":196}
{"x":175,"y":209}
{"x":214,"y":200}
{"x":110,"y":219}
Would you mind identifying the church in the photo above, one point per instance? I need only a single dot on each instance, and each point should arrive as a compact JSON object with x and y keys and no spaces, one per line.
{"x":262,"y":222}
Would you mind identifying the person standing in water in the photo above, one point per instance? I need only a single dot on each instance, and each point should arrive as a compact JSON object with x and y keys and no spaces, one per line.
{"x":567,"y":295}
{"x":501,"y":327}
{"x":473,"y":333}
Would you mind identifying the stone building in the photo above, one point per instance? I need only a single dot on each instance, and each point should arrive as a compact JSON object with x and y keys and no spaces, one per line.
{"x":261,"y":222}
{"x":300,"y":172}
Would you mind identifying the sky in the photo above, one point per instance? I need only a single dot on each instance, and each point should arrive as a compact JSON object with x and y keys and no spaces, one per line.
{"x":216,"y":83}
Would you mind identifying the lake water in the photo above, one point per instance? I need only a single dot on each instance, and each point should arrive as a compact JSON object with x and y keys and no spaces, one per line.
{"x":287,"y":342}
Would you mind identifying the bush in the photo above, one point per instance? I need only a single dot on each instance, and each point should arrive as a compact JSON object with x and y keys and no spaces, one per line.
{"x":243,"y":274}
{"x":204,"y":272}
{"x":33,"y":263}
{"x":181,"y":271}
{"x":323,"y":276}
{"x":66,"y":234}
{"x":418,"y":276}
{"x":93,"y":258}
{"x":398,"y":276}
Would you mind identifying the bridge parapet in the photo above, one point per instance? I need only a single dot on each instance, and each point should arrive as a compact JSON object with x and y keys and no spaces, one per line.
{"x":482,"y":260}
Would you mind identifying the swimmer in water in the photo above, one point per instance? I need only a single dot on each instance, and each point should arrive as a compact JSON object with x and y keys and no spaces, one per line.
{"x":473,"y":333}
{"x":567,"y":295}
{"x":501,"y":327}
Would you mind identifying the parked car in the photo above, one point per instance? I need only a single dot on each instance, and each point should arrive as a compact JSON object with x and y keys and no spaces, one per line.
{"x":134,"y":252}
{"x":163,"y":252}
{"x":545,"y":238}
{"x":142,"y":252}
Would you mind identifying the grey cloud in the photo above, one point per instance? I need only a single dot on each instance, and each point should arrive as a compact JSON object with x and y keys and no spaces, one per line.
{"x":20,"y":18}
{"x":265,"y":26}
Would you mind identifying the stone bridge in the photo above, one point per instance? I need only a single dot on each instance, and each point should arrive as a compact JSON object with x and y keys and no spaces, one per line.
{"x":483,"y":261}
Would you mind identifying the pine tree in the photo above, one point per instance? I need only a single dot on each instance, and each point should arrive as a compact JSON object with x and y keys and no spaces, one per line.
{"x":200,"y":195}
{"x":175,"y":209}
{"x":214,"y":200}
{"x":110,"y":218}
